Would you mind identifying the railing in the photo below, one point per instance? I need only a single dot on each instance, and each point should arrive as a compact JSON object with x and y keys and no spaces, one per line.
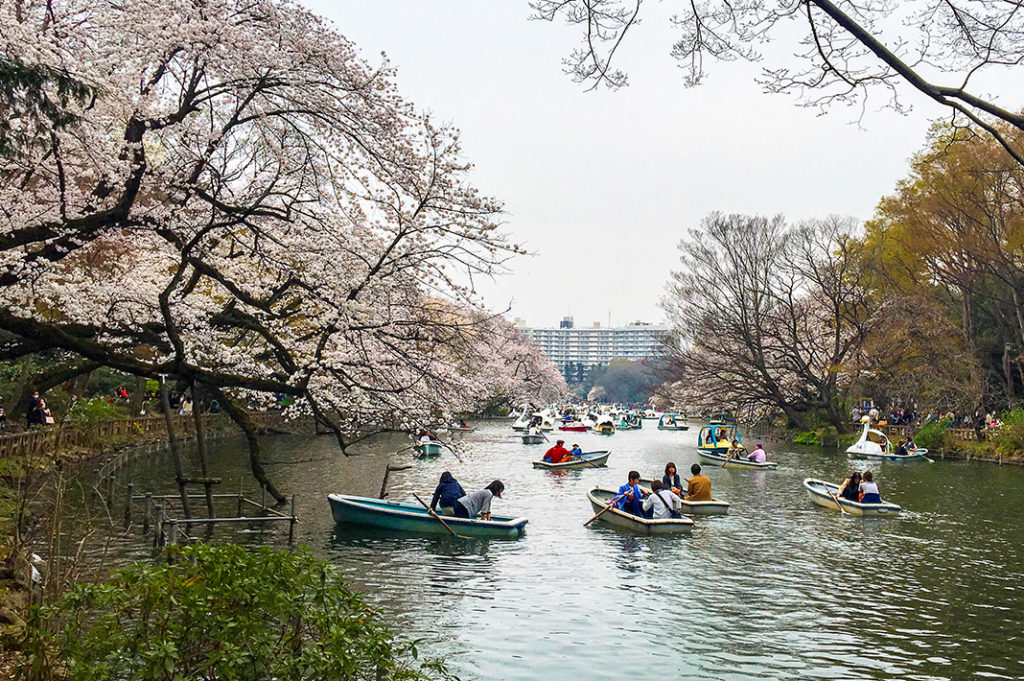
{"x":47,"y":439}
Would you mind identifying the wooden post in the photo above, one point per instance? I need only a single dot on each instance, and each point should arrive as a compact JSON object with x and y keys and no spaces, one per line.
{"x":172,"y":532}
{"x":201,"y":444}
{"x":128,"y":505}
{"x":291,"y":524}
{"x":147,"y":515}
{"x":179,"y":473}
{"x":240,"y":497}
{"x":263,"y":498}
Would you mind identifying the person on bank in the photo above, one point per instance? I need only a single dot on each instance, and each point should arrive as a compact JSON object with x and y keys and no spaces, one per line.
{"x":631,"y":496}
{"x":662,"y":503}
{"x":758,"y":455}
{"x":850,"y":489}
{"x":448,"y":491}
{"x":558,"y":453}
{"x":869,"y":490}
{"x":699,"y":486}
{"x":479,"y":502}
{"x":671,"y":479}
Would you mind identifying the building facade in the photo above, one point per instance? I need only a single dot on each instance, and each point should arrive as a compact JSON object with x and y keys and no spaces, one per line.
{"x":575,"y":350}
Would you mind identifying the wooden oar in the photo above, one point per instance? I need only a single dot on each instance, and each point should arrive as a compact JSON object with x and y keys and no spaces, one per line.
{"x":405,"y":448}
{"x":590,"y":463}
{"x":435,"y":516}
{"x":602,"y":511}
{"x":836,"y":497}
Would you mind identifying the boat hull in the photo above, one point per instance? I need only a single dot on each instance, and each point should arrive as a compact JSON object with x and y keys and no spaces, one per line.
{"x":918,"y":455}
{"x":713,"y":507}
{"x":425,"y":449}
{"x":621,"y":520}
{"x":821,"y":492}
{"x":588,"y":460}
{"x":673,"y":427}
{"x":533,"y":439}
{"x":573,"y":429}
{"x":414,"y":519}
{"x":715,"y":459}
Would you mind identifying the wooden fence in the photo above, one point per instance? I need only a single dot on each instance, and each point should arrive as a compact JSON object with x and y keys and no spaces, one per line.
{"x":44,"y":440}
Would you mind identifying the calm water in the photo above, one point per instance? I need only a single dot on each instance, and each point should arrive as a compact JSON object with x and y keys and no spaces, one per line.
{"x":779,"y":589}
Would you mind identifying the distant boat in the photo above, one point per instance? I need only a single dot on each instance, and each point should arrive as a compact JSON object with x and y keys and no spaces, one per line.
{"x":868,"y":448}
{"x":739,"y":460}
{"x":573,"y":427}
{"x":670,"y":422}
{"x":599,"y":498}
{"x":428,"y":449}
{"x":585,"y":460}
{"x":415,"y":519}
{"x":605,"y":426}
{"x":716,"y":438}
{"x":533,"y":439}
{"x":826,"y":494}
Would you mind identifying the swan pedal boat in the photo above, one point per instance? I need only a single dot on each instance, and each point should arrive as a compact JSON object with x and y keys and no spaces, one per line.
{"x":866,"y":448}
{"x":586,"y":460}
{"x":740,"y":461}
{"x":824,"y":494}
{"x":713,"y":507}
{"x":620,"y":520}
{"x":413,"y":518}
{"x":427,"y":449}
{"x":533,"y":439}
{"x":670,"y":422}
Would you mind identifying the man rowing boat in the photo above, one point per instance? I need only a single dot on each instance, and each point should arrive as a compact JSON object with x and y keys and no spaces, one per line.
{"x":558,"y":453}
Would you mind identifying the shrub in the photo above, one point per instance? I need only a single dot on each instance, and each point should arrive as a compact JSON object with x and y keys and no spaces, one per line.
{"x":95,"y":410}
{"x":1009,"y":439}
{"x":935,"y":435}
{"x":218,"y":613}
{"x":808,"y":437}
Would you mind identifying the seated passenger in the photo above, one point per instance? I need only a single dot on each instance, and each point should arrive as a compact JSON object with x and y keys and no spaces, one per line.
{"x":850,"y":489}
{"x":869,"y":490}
{"x":901,"y":448}
{"x":576,"y":451}
{"x":630,"y":496}
{"x":662,"y":503}
{"x":671,"y":479}
{"x":558,"y":453}
{"x":758,"y":454}
{"x":447,"y":493}
{"x":699,"y":486}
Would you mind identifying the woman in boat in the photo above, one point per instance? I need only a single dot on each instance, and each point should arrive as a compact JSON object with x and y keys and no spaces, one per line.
{"x":850,"y":489}
{"x":479,"y":503}
{"x":447,"y":493}
{"x":869,"y":490}
{"x":671,"y":479}
{"x":758,"y":455}
{"x":631,"y":496}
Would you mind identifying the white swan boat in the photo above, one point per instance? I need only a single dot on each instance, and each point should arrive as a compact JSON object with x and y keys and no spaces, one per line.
{"x":874,"y":444}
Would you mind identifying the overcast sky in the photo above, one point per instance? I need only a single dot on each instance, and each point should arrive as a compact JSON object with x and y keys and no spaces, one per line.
{"x":603,"y":185}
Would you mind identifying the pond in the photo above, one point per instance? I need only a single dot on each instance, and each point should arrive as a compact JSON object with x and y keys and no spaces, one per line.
{"x":778,"y":589}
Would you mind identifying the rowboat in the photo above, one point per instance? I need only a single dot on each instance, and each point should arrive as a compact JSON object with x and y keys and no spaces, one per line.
{"x":716,"y":438}
{"x":669,"y":422}
{"x":873,"y":444}
{"x":826,"y":493}
{"x":533,"y":439}
{"x":413,"y":518}
{"x":738,"y":461}
{"x":585,"y":460}
{"x":574,"y":427}
{"x":713,"y":507}
{"x":427,"y":449}
{"x":620,"y":520}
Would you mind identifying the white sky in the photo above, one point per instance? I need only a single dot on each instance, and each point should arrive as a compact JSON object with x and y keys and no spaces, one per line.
{"x":602,"y":185}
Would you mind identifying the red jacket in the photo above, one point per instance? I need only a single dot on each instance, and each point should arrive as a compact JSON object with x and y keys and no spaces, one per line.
{"x":557,"y":454}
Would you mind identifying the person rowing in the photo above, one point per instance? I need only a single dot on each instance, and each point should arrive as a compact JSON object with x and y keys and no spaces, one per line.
{"x":558,"y":453}
{"x":850,"y":489}
{"x":630,"y":496}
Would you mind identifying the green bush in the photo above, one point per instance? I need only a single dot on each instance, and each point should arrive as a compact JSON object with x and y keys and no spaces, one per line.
{"x":218,"y":613}
{"x":91,"y":412}
{"x":1009,"y":439}
{"x":808,"y":437}
{"x":935,"y":435}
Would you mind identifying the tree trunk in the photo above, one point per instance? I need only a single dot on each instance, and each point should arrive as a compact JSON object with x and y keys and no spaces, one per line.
{"x":201,"y":444}
{"x":179,"y":472}
{"x":239,"y":416}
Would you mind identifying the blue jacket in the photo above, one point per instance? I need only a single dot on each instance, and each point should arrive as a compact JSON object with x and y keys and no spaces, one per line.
{"x":447,"y":492}
{"x":634,"y":505}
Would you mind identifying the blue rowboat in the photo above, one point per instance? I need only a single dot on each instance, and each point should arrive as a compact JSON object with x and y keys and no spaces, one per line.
{"x":413,"y":518}
{"x":585,"y":460}
{"x":826,"y":493}
{"x":427,"y":449}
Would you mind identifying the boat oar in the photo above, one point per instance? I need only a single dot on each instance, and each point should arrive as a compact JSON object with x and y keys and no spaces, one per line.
{"x":589,"y":462}
{"x":405,"y":448}
{"x":836,"y":497}
{"x":602,"y":511}
{"x":434,"y":515}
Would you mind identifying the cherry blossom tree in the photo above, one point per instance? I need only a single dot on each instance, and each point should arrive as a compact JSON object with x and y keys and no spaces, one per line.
{"x":246,"y":205}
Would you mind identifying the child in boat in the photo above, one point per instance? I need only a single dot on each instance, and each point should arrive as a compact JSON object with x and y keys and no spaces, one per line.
{"x":671,"y":479}
{"x":699,"y":486}
{"x":758,"y":455}
{"x":869,"y":490}
{"x":447,"y":493}
{"x":479,"y":503}
{"x":662,"y":503}
{"x":631,"y":496}
{"x":850,"y":489}
{"x":576,"y":451}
